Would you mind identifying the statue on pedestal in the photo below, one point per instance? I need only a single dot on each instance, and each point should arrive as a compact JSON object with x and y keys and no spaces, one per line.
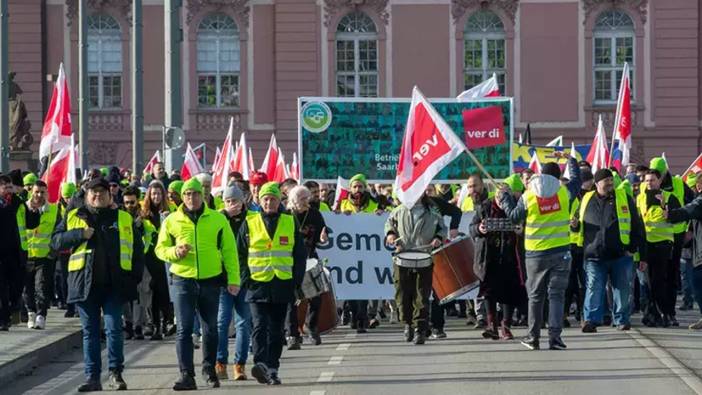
{"x":20,"y":137}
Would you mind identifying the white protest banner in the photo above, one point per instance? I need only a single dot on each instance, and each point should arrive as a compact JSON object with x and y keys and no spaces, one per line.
{"x":359,"y":262}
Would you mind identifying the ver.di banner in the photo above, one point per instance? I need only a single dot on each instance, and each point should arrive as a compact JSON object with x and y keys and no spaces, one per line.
{"x":359,"y":262}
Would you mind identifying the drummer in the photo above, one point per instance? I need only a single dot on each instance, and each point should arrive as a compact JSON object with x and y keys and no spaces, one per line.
{"x":313,"y":229}
{"x":421,"y":228}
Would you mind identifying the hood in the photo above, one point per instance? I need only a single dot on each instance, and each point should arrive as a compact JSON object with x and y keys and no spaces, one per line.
{"x":544,"y":185}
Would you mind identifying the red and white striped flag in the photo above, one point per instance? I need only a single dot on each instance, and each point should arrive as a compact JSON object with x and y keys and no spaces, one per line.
{"x":56,"y":132}
{"x":274,"y":164}
{"x":598,"y":157}
{"x":222,"y":166}
{"x":428,"y":146}
{"x":487,"y":88}
{"x":155,"y":158}
{"x":191,"y":165}
{"x":341,"y":193}
{"x":622,"y":124}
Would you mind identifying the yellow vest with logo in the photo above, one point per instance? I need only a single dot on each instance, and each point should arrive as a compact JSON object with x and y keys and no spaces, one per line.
{"x":548,"y":230}
{"x":77,"y":259}
{"x":679,"y":193}
{"x":39,"y":238}
{"x":22,"y":226}
{"x":623,"y":216}
{"x":657,"y":227}
{"x":270,"y":258}
{"x":346,"y":206}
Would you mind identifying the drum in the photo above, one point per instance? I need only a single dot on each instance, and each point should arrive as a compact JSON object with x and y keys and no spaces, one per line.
{"x":412,"y":259}
{"x":328,"y":317}
{"x":453,"y":273}
{"x":315,"y":281}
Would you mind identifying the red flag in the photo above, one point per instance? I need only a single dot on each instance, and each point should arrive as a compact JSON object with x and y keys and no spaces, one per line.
{"x":428,"y":146}
{"x":274,"y":164}
{"x":222,"y":166}
{"x":191,"y":165}
{"x":155,"y":158}
{"x":241,"y":160}
{"x":535,"y":164}
{"x":62,"y":169}
{"x":295,"y":168}
{"x":598,"y":157}
{"x":694,"y":168}
{"x":487,"y":88}
{"x":622,"y":123}
{"x":341,"y":193}
{"x":56,"y":133}
{"x":251,"y":163}
{"x":218,"y":154}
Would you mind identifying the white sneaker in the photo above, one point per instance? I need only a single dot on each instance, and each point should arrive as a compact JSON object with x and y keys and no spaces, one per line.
{"x":697,"y":325}
{"x":31,"y":322}
{"x":40,"y":323}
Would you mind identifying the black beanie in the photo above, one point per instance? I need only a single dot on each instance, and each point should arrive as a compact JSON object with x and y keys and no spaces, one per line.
{"x":602,"y":174}
{"x":552,"y":169}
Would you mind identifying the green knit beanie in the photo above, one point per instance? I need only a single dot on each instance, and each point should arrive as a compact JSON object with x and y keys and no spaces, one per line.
{"x":360,"y":178}
{"x":270,"y":188}
{"x":67,"y":190}
{"x":191,"y":185}
{"x":514,"y":182}
{"x":659,"y":164}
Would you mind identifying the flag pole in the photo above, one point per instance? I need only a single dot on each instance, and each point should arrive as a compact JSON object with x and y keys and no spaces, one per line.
{"x":482,"y":169}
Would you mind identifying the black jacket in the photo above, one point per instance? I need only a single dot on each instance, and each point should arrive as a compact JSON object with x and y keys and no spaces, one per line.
{"x":691,"y":212}
{"x":102,"y":271}
{"x":9,"y":233}
{"x":275,"y":291}
{"x":601,"y":230}
{"x":448,"y":209}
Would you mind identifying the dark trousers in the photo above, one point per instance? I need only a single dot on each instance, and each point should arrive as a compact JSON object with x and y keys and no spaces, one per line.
{"x":38,"y":285}
{"x":89,"y":310}
{"x":576,"y":284}
{"x":412,"y":291}
{"x":659,"y":262}
{"x":192,"y":296}
{"x":161,"y":310}
{"x":674,"y":270}
{"x":292,"y":324}
{"x":359,"y":310}
{"x":11,"y":285}
{"x":268,"y":335}
{"x":437,"y":313}
{"x":61,"y":277}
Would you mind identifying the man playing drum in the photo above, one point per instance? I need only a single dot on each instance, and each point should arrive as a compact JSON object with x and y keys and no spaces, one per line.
{"x":414,"y":231}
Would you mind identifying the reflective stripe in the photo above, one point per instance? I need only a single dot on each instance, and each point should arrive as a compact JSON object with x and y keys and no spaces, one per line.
{"x":270,"y":254}
{"x":278,"y":268}
{"x":546,"y":237}
{"x":661,"y":225}
{"x":550,"y":224}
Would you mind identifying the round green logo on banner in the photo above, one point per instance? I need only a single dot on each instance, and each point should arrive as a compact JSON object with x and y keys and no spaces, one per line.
{"x":316,"y":116}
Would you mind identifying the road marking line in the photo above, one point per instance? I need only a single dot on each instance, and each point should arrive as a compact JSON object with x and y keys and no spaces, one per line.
{"x":318,"y":392}
{"x":669,"y":360}
{"x":336,"y":360}
{"x":325,"y":377}
{"x":343,"y":347}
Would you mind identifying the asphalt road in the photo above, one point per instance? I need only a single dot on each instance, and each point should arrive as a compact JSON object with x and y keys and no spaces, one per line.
{"x":643,"y":361}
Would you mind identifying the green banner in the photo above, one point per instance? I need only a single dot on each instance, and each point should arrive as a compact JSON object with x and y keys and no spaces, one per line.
{"x":345,"y":136}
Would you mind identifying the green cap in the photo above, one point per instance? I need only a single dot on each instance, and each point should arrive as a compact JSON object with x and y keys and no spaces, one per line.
{"x":691,"y":180}
{"x":191,"y":185}
{"x":176,"y":186}
{"x":104,"y":171}
{"x":67,"y":190}
{"x":659,"y":164}
{"x":270,"y":188}
{"x":360,"y":178}
{"x":124,"y":183}
{"x":514,"y":182}
{"x":30,"y":179}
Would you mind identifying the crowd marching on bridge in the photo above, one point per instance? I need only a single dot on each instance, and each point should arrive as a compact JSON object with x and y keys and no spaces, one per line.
{"x":153,"y":256}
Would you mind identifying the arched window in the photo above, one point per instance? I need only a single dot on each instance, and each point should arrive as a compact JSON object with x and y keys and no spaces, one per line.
{"x":356,"y":56}
{"x":613,"y":45}
{"x":104,"y":62}
{"x":218,"y":62}
{"x":484,"y":38}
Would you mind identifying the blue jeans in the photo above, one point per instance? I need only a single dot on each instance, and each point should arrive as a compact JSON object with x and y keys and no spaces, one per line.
{"x":89,"y":311}
{"x":686,"y":281}
{"x":192,"y":296}
{"x":227,"y":304}
{"x":621,"y":272}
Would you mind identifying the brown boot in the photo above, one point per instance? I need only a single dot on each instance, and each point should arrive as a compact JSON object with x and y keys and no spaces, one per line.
{"x":240,"y":372}
{"x":221,"y":370}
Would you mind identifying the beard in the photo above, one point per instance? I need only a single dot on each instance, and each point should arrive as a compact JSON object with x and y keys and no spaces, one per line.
{"x":356,"y":198}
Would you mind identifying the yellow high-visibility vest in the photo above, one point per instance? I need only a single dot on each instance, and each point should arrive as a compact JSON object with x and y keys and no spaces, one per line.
{"x":657,"y":227}
{"x":268,"y":257}
{"x":77,"y":259}
{"x":623,"y":216}
{"x":547,"y":221}
{"x":39,"y":238}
